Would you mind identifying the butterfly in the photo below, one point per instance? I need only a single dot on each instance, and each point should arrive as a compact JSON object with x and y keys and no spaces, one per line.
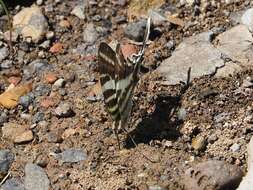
{"x":118,"y":79}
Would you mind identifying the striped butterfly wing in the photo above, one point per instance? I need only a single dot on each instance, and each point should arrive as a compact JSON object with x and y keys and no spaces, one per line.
{"x":112,"y":69}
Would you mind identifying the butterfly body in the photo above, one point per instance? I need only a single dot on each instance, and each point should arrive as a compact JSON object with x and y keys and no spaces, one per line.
{"x":118,"y":78}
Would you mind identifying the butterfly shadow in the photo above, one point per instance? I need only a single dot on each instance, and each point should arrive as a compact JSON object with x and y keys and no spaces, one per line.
{"x":163,"y":123}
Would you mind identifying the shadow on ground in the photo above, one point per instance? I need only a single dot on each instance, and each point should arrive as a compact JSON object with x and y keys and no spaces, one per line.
{"x":161,"y":124}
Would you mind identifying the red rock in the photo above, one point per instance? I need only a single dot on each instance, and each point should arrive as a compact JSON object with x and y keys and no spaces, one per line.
{"x":14,"y":80}
{"x":50,"y":78}
{"x":128,"y":50}
{"x":47,"y":102}
{"x":56,"y":48}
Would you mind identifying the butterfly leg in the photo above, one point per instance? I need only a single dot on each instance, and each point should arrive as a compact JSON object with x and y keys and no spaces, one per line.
{"x":115,"y":129}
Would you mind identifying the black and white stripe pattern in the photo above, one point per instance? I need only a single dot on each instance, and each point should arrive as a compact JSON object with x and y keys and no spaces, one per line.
{"x":118,"y":78}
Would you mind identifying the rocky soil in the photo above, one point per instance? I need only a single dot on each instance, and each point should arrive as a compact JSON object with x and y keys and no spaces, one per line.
{"x":54,"y":130}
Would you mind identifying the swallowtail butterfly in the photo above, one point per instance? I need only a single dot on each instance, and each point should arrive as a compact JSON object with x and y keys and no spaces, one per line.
{"x":118,"y":78}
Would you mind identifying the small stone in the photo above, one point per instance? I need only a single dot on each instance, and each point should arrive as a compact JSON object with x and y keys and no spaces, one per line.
{"x":56,"y":48}
{"x":156,"y":187}
{"x":212,"y":138}
{"x":64,"y":110}
{"x":45,"y":44}
{"x":235,"y":147}
{"x":42,"y":90}
{"x":26,"y":100}
{"x":36,"y":178}
{"x":49,"y":35}
{"x":31,"y":23}
{"x":79,"y":11}
{"x":156,"y":17}
{"x":6,"y":159}
{"x":90,"y":34}
{"x":4,"y":52}
{"x":42,"y":160}
{"x":27,"y":136}
{"x":247,"y":83}
{"x":13,"y":184}
{"x":72,"y":156}
{"x":59,"y":83}
{"x":39,"y":116}
{"x":6,"y":64}
{"x":135,"y":30}
{"x":54,"y":137}
{"x":199,"y":143}
{"x":36,"y":67}
{"x":216,"y":175}
{"x":64,"y":24}
{"x":128,"y":50}
{"x":181,"y":114}
{"x":168,"y":144}
{"x":47,"y":102}
{"x":3,"y":118}
{"x":12,"y":130}
{"x":50,"y":78}
{"x":39,"y":2}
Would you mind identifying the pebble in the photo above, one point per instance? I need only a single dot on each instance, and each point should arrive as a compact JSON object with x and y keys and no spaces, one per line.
{"x":90,"y":34}
{"x":39,"y":2}
{"x":26,"y":100}
{"x":156,"y":17}
{"x":50,"y":78}
{"x":6,"y":159}
{"x":182,"y":114}
{"x":235,"y":147}
{"x":216,"y":175}
{"x":50,"y":35}
{"x":199,"y":143}
{"x":156,"y":187}
{"x":42,"y":90}
{"x":247,"y":83}
{"x":4,"y":52}
{"x":12,"y":130}
{"x":31,"y":23}
{"x":42,"y":160}
{"x":59,"y":83}
{"x":79,"y":11}
{"x":39,"y":116}
{"x":25,"y":137}
{"x":64,"y":110}
{"x":13,"y":184}
{"x":3,"y":118}
{"x":35,"y":178}
{"x":6,"y":64}
{"x":47,"y":102}
{"x":54,"y":137}
{"x":247,"y":19}
{"x":36,"y":67}
{"x":72,"y":156}
{"x":135,"y":30}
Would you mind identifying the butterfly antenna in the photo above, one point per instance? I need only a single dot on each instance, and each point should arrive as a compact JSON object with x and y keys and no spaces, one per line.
{"x":133,"y":141}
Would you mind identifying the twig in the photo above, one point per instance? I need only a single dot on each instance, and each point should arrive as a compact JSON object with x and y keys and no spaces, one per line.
{"x":5,"y":178}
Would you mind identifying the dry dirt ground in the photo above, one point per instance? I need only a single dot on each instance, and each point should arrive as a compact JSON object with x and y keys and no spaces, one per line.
{"x":164,"y":120}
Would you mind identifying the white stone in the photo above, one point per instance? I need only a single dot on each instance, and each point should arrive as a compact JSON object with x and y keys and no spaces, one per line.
{"x":247,"y":19}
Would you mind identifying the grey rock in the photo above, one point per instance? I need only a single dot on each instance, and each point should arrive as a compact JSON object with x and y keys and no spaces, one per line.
{"x":42,"y":90}
{"x":90,"y":34}
{"x":72,"y":156}
{"x":212,"y":175}
{"x":54,"y":137}
{"x":235,"y":147}
{"x":247,"y":19}
{"x":181,"y":114}
{"x":3,"y":118}
{"x":4,"y":52}
{"x":236,"y":17}
{"x":64,"y":110}
{"x":26,"y":100}
{"x":135,"y":31}
{"x":170,"y":45}
{"x":196,"y":52}
{"x":156,"y":17}
{"x":39,"y":116}
{"x":79,"y":10}
{"x":37,"y":66}
{"x":156,"y":187}
{"x":6,"y":64}
{"x":59,"y":83}
{"x":237,"y":48}
{"x":35,"y":178}
{"x":13,"y":184}
{"x":247,"y":83}
{"x":6,"y":159}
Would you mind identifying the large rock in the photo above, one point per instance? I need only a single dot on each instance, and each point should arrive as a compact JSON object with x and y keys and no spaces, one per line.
{"x":35,"y":178}
{"x":212,"y":175}
{"x":196,"y":52}
{"x":30,"y":22}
